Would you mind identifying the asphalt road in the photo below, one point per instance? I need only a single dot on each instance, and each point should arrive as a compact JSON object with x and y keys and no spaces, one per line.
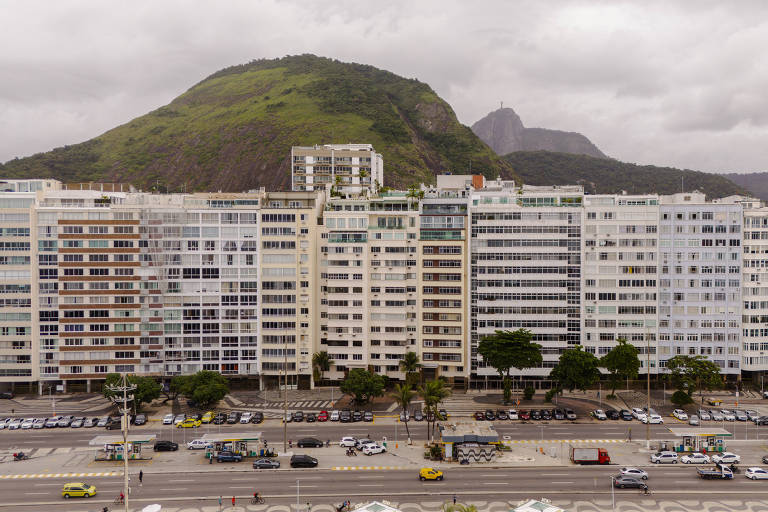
{"x":272,"y":431}
{"x":324,"y":486}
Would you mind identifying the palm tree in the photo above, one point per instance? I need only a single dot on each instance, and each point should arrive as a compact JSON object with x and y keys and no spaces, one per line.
{"x":433,"y":392}
{"x":321,"y":363}
{"x":403,"y":395}
{"x":459,"y":507}
{"x":410,"y":365}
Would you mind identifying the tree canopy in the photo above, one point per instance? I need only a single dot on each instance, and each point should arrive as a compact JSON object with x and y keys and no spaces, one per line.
{"x":147,"y":389}
{"x":363,"y":385}
{"x":576,"y":369}
{"x":411,"y":365}
{"x":205,"y":387}
{"x":505,"y":350}
{"x":621,"y":362}
{"x":321,"y":363}
{"x":403,"y":395}
{"x":691,"y":373}
{"x":433,"y":392}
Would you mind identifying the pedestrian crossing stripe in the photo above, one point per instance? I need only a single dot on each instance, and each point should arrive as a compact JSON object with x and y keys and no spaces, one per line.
{"x":539,"y":441}
{"x":58,"y":475}
{"x":366,"y":468}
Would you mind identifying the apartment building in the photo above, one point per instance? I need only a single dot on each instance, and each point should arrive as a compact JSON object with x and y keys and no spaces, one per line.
{"x":700,"y":257}
{"x":350,"y":169}
{"x":620,"y":274}
{"x":525,"y":264}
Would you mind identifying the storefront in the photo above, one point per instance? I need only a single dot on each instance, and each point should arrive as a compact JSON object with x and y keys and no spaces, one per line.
{"x":249,"y":444}
{"x":699,"y":439}
{"x":112,"y":447}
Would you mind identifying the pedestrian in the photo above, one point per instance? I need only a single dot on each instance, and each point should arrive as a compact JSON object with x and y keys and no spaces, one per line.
{"x":233,"y":501}
{"x":141,"y":476}
{"x":219,"y":503}
{"x":454,"y":499}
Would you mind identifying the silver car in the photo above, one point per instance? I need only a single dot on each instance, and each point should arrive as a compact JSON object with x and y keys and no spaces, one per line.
{"x":728,"y":415}
{"x":704,"y":415}
{"x":752,"y":414}
{"x":716,"y":415}
{"x":693,"y":420}
{"x":740,"y":415}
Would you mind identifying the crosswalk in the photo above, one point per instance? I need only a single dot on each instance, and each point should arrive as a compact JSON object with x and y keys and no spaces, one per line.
{"x":60,"y":475}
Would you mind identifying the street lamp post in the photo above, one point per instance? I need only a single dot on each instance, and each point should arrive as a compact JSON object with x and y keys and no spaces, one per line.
{"x":648,"y":390}
{"x":613,"y":496}
{"x":124,"y":390}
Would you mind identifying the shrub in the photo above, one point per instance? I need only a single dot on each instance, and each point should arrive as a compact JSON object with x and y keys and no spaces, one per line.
{"x":528,"y":392}
{"x":681,"y":398}
{"x":550,"y":394}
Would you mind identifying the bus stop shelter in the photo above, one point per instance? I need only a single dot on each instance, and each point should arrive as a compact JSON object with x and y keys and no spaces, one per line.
{"x":113,"y":447}
{"x":699,"y":439}
{"x":248,"y":444}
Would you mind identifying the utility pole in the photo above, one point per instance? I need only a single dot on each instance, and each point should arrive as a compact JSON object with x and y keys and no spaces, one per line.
{"x":648,"y":380}
{"x":285,"y":401}
{"x":124,"y":411}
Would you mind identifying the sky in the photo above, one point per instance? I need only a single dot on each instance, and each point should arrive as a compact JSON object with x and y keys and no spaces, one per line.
{"x":683,"y":83}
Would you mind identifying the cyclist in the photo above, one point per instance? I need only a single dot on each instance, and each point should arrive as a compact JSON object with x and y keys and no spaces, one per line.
{"x":122,"y":497}
{"x":257,"y":498}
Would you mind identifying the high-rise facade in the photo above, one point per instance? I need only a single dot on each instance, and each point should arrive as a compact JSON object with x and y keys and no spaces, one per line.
{"x":754,"y":288}
{"x":349,"y":169}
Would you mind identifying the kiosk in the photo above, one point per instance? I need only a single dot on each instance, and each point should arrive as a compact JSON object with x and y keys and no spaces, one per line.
{"x":248,"y":444}
{"x":113,"y":447}
{"x":699,"y":439}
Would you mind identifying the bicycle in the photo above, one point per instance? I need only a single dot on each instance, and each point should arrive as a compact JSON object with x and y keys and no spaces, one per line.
{"x":120,"y":500}
{"x":257,"y":501}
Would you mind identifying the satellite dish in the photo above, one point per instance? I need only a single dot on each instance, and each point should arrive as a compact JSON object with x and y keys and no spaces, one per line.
{"x":152,"y":508}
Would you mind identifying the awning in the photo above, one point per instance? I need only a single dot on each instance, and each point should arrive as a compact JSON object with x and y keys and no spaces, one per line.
{"x":700,"y":432}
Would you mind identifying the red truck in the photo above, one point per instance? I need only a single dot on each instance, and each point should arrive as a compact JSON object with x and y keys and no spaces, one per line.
{"x":590,"y":456}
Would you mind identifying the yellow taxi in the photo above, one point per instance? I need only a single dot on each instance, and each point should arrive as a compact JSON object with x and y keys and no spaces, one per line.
{"x":207,"y":417}
{"x":430,"y":474}
{"x":190,"y":423}
{"x":78,"y":490}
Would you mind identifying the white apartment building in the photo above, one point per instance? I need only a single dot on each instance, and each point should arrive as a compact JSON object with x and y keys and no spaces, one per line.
{"x":350,"y":169}
{"x":700,"y":257}
{"x":620,"y":274}
{"x":526,"y":264}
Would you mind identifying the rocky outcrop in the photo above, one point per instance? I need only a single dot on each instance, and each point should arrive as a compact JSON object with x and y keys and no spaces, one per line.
{"x":504,"y":132}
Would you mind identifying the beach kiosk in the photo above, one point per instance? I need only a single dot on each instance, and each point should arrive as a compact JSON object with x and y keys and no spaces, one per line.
{"x":699,"y":439}
{"x":112,"y":447}
{"x":247,"y":444}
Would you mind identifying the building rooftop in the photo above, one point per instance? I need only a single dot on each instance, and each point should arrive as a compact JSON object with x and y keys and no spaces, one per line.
{"x":536,"y":506}
{"x":466,"y":432}
{"x":375,"y":506}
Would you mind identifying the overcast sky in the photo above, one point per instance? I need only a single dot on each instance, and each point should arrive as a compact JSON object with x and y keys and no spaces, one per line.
{"x":668,"y":83}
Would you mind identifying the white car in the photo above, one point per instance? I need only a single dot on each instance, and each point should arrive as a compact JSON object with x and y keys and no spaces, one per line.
{"x":726,"y":458}
{"x":246,"y":417}
{"x":635,"y":472}
{"x":752,"y":414}
{"x":654,"y":419}
{"x":637,"y":412}
{"x":728,"y":415}
{"x":27,"y":423}
{"x":4,"y":422}
{"x":14,"y":424}
{"x":756,"y":473}
{"x":704,"y":415}
{"x":372,"y":448}
{"x":197,"y":444}
{"x":680,"y":414}
{"x":334,"y":416}
{"x":693,"y":420}
{"x":740,"y":415}
{"x":179,"y":418}
{"x":716,"y":415}
{"x":599,"y":414}
{"x":664,"y":458}
{"x":695,"y":458}
{"x":348,"y":441}
{"x":168,"y":419}
{"x":513,"y":414}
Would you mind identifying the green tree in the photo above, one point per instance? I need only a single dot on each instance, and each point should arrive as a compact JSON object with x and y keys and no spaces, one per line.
{"x":205,"y":388}
{"x":621,"y":362}
{"x":411,"y":366}
{"x":691,"y":373}
{"x":321,"y":363}
{"x":505,"y":350}
{"x":363,"y":385}
{"x":174,"y":388}
{"x":147,"y":389}
{"x":403,"y":395}
{"x":433,"y":392}
{"x":459,"y":507}
{"x":576,"y":369}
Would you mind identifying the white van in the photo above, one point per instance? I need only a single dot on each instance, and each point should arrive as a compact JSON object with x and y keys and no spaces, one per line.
{"x":334,"y":416}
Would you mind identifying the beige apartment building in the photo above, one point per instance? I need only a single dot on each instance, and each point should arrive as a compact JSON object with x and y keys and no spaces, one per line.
{"x":350,"y":169}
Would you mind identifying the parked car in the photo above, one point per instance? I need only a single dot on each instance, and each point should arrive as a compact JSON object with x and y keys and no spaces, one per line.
{"x":27,"y":424}
{"x":189,"y":423}
{"x":207,"y":417}
{"x":512,"y":413}
{"x":357,"y":416}
{"x":693,"y":420}
{"x":756,"y":473}
{"x":664,"y":458}
{"x":625,"y":415}
{"x":77,"y":422}
{"x":179,"y":418}
{"x":726,"y":458}
{"x":442,"y":414}
{"x":480,"y":416}
{"x":695,"y":458}
{"x":233,"y":417}
{"x":40,"y":423}
{"x":704,"y":415}
{"x":765,"y":459}
{"x":14,"y":424}
{"x":257,"y":417}
{"x":368,"y":416}
{"x":323,"y":416}
{"x":334,"y":416}
{"x":502,"y":415}
{"x":303,"y":461}
{"x":762,"y":420}
{"x":266,"y":464}
{"x":546,"y":414}
{"x":430,"y":416}
{"x":65,"y":421}
{"x":228,"y":457}
{"x":219,"y":418}
{"x":740,"y":415}
{"x":419,"y":416}
{"x":311,"y":418}
{"x":246,"y":417}
{"x":637,"y":413}
{"x":405,"y":415}
{"x":728,"y":415}
{"x":490,"y":415}
{"x":102,"y":422}
{"x":114,"y":423}
{"x":362,"y":442}
{"x":559,"y":414}
{"x":430,"y":474}
{"x":298,"y":417}
{"x":310,"y":442}
{"x":197,"y":444}
{"x":165,"y":446}
{"x":140,"y":419}
{"x":570,"y":414}
{"x":716,"y":415}
{"x":525,"y":415}
{"x":599,"y":414}
{"x":612,"y":414}
{"x":653,"y":419}
{"x":7,"y":395}
{"x":752,"y":414}
{"x":626,"y":481}
{"x":167,"y":419}
{"x":373,"y":448}
{"x":680,"y":414}
{"x":346,"y":416}
{"x":288,"y":418}
{"x":347,"y":441}
{"x":634,"y":472}
{"x":535,"y":414}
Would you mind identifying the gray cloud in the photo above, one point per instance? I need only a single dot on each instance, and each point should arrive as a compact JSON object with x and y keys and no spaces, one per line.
{"x":667,"y":83}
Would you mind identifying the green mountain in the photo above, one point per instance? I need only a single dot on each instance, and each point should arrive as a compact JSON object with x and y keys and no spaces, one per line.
{"x":607,"y":176}
{"x":234,"y":131}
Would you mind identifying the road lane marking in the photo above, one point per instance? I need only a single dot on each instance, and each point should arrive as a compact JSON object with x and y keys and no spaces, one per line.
{"x":554,"y":474}
{"x":174,"y":489}
{"x":35,"y":493}
{"x":304,"y":486}
{"x":561,"y":482}
{"x":176,"y":481}
{"x":494,"y":483}
{"x":370,"y":485}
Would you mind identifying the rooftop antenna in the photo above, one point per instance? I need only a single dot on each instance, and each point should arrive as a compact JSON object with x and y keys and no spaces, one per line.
{"x":502,"y":105}
{"x":682,"y":184}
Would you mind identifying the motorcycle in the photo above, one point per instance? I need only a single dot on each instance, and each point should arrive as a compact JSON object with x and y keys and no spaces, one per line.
{"x":20,"y":456}
{"x":351,"y":452}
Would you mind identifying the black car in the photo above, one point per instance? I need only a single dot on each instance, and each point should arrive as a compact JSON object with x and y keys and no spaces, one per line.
{"x":419,"y":416}
{"x":303,"y":461}
{"x":357,"y":416}
{"x":489,"y":415}
{"x":257,"y":417}
{"x":234,"y":417}
{"x":612,"y":414}
{"x":345,"y":416}
{"x":311,"y":418}
{"x":228,"y":457}
{"x":310,"y":442}
{"x":502,"y":415}
{"x":479,"y":416}
{"x":165,"y":446}
{"x":762,"y":420}
{"x":623,"y":481}
{"x":114,"y":423}
{"x":298,"y":416}
{"x":535,"y":414}
{"x":765,"y":459}
{"x":140,"y":419}
{"x":266,"y":464}
{"x":368,"y":416}
{"x":546,"y":414}
{"x":6,"y":395}
{"x":558,"y":414}
{"x":625,"y":415}
{"x":219,"y":418}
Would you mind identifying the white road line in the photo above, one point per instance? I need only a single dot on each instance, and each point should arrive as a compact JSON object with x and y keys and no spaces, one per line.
{"x":176,"y":481}
{"x":35,"y":493}
{"x":242,"y":479}
{"x":304,"y":486}
{"x":554,"y":474}
{"x":241,"y":487}
{"x":494,"y":483}
{"x":370,"y":485}
{"x":561,"y":482}
{"x":175,"y":489}
{"x":49,"y":485}
{"x":368,"y":477}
